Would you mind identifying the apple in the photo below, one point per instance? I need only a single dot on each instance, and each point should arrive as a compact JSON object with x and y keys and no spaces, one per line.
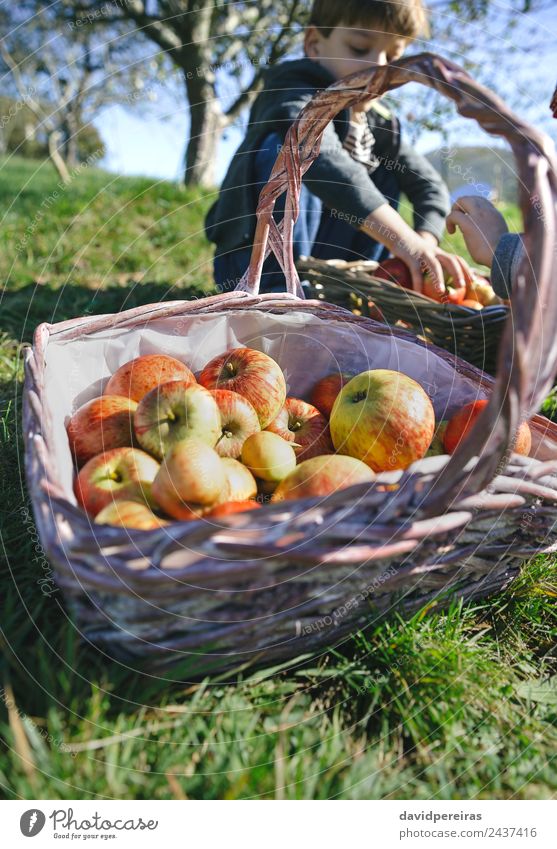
{"x":252,"y":374}
{"x":122,"y":473}
{"x":238,"y":421}
{"x":394,"y":270}
{"x":303,"y":425}
{"x":436,"y":448}
{"x":324,"y":393}
{"x":454,"y":294}
{"x":321,"y":476}
{"x":464,"y":419}
{"x":268,"y":456}
{"x":397,"y":271}
{"x":472,"y":305}
{"x":191,"y":476}
{"x":230,"y":507}
{"x":101,"y":424}
{"x":384,"y":418}
{"x":137,"y":377}
{"x":480,"y":289}
{"x":173,"y":412}
{"x":431,"y":290}
{"x":241,"y":482}
{"x":129,"y":514}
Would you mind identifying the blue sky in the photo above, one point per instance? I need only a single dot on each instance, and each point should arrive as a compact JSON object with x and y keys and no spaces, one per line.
{"x":150,"y":139}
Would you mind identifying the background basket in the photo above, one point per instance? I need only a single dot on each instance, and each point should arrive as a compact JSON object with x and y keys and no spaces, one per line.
{"x":275,"y":583}
{"x":473,"y":335}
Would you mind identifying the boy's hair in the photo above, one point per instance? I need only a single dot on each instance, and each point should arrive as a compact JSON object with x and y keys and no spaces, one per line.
{"x":407,"y":18}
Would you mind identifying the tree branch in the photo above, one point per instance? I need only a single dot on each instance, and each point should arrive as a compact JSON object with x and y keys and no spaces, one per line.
{"x":245,"y":98}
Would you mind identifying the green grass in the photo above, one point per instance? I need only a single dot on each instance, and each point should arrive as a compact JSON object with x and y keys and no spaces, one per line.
{"x":449,"y":705}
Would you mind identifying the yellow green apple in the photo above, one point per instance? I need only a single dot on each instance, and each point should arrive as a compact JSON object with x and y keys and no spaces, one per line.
{"x":173,"y":412}
{"x":191,"y":473}
{"x":321,"y":476}
{"x":268,"y":456}
{"x":384,"y":418}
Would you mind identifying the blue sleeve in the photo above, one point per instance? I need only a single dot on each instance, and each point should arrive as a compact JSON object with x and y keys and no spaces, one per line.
{"x":506,"y":262}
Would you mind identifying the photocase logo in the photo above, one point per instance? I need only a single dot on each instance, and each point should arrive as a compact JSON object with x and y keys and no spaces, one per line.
{"x":32,"y":822}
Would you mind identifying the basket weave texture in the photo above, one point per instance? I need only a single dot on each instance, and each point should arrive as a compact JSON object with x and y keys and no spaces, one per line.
{"x":472,"y":335}
{"x":273,"y":584}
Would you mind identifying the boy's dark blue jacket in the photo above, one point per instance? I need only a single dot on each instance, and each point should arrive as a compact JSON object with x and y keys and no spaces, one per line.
{"x":339,"y":181}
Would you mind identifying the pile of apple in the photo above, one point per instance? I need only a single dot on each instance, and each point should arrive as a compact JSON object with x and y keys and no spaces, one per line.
{"x":477,"y":294}
{"x":161,"y":444}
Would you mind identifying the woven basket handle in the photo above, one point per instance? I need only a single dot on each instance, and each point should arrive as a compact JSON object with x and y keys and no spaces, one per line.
{"x":528,"y":353}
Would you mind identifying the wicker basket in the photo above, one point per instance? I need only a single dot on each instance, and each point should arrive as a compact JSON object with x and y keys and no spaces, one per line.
{"x":275,"y":583}
{"x":472,"y":335}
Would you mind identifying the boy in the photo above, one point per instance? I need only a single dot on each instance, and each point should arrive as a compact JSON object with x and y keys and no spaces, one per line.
{"x":350,"y":194}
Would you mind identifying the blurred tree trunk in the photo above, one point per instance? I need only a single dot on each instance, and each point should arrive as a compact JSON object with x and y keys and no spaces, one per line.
{"x":55,"y":142}
{"x":206,"y":124}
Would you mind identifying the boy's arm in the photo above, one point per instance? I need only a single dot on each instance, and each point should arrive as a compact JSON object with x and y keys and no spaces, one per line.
{"x":425,"y":190}
{"x":342,"y":183}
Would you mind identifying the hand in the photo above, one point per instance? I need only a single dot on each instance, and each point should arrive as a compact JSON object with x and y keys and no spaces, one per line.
{"x":385,"y":225}
{"x":421,"y":255}
{"x":456,"y":268}
{"x":428,"y":237}
{"x":425,"y":268}
{"x":438,"y":265}
{"x":481,"y":224}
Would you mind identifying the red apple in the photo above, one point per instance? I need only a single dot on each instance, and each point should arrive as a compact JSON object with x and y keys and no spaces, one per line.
{"x":191,"y":476}
{"x":454,"y":294}
{"x":472,"y":305}
{"x":394,"y":270}
{"x":241,"y":482}
{"x":252,"y":374}
{"x":302,"y":424}
{"x":130,"y":514}
{"x":431,"y":290}
{"x":173,"y":412}
{"x":268,"y":456}
{"x":230,"y":507}
{"x":321,"y":476}
{"x":122,"y":473}
{"x":136,"y":378}
{"x":101,"y":424}
{"x":383,"y":418}
{"x":238,"y":421}
{"x":463,"y":421}
{"x":324,"y":393}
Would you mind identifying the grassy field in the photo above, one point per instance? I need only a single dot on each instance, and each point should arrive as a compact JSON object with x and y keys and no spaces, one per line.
{"x":453,"y":705}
